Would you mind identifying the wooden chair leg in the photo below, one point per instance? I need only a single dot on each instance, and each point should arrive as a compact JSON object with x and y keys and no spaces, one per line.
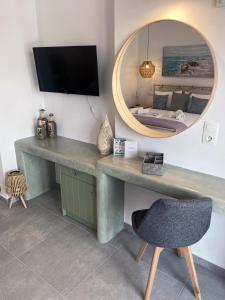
{"x":10,"y":201}
{"x":23,"y":201}
{"x":192,"y":272}
{"x":152,"y":272}
{"x":180,"y":252}
{"x":141,"y":252}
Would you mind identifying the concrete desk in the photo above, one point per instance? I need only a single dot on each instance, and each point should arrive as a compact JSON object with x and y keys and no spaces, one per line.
{"x":36,"y":158}
{"x":177,"y":182}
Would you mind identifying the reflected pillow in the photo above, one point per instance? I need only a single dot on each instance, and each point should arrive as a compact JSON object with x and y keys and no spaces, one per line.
{"x":201,"y":96}
{"x":197,"y":105}
{"x":160,"y":101}
{"x":179,"y":102}
{"x":169,"y":93}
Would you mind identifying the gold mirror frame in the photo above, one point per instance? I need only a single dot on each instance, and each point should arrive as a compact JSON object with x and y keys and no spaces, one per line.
{"x":119,"y":100}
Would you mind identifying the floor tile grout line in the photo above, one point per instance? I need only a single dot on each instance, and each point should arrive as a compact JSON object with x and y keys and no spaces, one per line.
{"x":67,"y":223}
{"x":57,"y":215}
{"x":107,"y":259}
{"x":38,"y":243}
{"x":148,"y":264}
{"x":12,"y":255}
{"x":39,"y":275}
{"x":117,"y":248}
{"x":168,"y":275}
{"x":72,"y":222}
{"x":186,"y":280}
{"x":180,"y":293}
{"x":61,"y":217}
{"x":93,"y":271}
{"x":49,"y":210}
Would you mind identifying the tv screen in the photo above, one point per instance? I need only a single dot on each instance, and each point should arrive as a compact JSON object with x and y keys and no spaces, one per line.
{"x":71,"y":70}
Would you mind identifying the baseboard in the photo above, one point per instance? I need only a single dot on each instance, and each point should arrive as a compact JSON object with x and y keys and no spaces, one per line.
{"x":209,"y":266}
{"x":198,"y":260}
{"x":4,"y":195}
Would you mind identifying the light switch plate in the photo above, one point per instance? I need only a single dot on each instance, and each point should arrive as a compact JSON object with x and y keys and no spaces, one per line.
{"x":220,"y":3}
{"x":210,"y":132}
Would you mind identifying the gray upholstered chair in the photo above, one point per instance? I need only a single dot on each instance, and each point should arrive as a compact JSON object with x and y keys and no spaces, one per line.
{"x":171,"y":223}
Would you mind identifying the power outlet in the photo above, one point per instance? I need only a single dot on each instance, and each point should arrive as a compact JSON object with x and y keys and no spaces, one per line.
{"x":210,"y":132}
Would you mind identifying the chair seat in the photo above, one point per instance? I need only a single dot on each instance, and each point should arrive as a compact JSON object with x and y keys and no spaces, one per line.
{"x":173,"y":223}
{"x":137,"y":218}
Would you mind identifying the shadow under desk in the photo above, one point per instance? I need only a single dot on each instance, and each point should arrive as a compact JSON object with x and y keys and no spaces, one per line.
{"x":92,"y":186}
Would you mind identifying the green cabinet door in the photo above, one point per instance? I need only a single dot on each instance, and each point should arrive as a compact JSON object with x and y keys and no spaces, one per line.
{"x":78,"y":191}
{"x":87,"y":203}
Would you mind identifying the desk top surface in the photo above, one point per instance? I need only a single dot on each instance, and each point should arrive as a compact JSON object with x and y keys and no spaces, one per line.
{"x":176,"y":182}
{"x":71,"y":153}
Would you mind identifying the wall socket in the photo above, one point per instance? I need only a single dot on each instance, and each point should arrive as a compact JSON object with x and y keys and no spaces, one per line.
{"x":210,"y":132}
{"x":220,"y":3}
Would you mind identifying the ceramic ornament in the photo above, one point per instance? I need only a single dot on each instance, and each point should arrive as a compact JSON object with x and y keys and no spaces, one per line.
{"x":105,"y":138}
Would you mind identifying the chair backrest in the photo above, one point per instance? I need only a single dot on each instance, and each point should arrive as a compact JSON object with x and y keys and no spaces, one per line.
{"x":172,"y":223}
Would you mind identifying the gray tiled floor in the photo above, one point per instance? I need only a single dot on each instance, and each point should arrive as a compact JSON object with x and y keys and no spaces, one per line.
{"x":46,"y":256}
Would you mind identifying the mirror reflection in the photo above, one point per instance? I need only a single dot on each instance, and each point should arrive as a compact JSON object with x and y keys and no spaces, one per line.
{"x":167,"y":76}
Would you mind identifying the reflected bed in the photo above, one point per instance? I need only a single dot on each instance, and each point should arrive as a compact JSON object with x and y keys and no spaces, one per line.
{"x":168,"y":118}
{"x":163,"y":119}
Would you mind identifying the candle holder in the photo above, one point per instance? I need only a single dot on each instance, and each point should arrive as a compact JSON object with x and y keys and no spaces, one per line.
{"x":16,"y":186}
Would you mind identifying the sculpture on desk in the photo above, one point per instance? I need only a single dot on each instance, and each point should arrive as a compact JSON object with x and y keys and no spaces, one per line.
{"x":52,"y":129}
{"x":41,"y":129}
{"x":46,"y":127}
{"x":105,"y":138}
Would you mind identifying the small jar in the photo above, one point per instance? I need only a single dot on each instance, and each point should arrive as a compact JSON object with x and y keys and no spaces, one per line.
{"x":52,"y":128}
{"x":40,"y":130}
{"x":42,"y":120}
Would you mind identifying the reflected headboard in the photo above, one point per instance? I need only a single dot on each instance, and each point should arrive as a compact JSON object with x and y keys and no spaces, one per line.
{"x":185,"y":88}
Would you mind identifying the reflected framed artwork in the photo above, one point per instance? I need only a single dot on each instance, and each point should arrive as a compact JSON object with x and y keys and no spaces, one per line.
{"x":187,"y":61}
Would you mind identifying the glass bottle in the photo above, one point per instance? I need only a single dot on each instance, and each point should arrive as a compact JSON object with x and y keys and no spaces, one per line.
{"x":40,"y":130}
{"x":43,"y":120}
{"x":52,"y":129}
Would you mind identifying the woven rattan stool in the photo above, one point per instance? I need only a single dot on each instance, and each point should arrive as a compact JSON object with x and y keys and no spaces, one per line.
{"x":16,"y":186}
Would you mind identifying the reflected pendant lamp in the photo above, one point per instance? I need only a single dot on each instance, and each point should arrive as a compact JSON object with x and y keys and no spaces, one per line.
{"x":147,"y":69}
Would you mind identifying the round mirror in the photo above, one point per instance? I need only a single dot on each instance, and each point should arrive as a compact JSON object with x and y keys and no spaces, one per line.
{"x":163,"y":78}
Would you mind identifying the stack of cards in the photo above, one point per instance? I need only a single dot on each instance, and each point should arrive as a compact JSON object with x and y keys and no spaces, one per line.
{"x":122,"y":147}
{"x":131,"y":150}
{"x":118,"y":146}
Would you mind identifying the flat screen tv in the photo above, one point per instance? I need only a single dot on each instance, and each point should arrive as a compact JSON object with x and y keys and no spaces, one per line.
{"x":71,"y":69}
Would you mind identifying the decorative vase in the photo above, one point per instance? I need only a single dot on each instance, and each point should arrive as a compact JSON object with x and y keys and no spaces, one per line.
{"x":105,"y":138}
{"x":40,"y":131}
{"x":41,"y":128}
{"x":52,"y":131}
{"x":43,"y":120}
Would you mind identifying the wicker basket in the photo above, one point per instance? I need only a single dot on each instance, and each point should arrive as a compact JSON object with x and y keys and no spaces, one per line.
{"x":15,"y":184}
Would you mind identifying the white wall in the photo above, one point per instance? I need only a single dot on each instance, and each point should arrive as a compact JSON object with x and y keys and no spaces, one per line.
{"x":86,"y":22}
{"x":129,"y":74}
{"x":1,"y":175}
{"x":185,"y":149}
{"x":19,"y":97}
